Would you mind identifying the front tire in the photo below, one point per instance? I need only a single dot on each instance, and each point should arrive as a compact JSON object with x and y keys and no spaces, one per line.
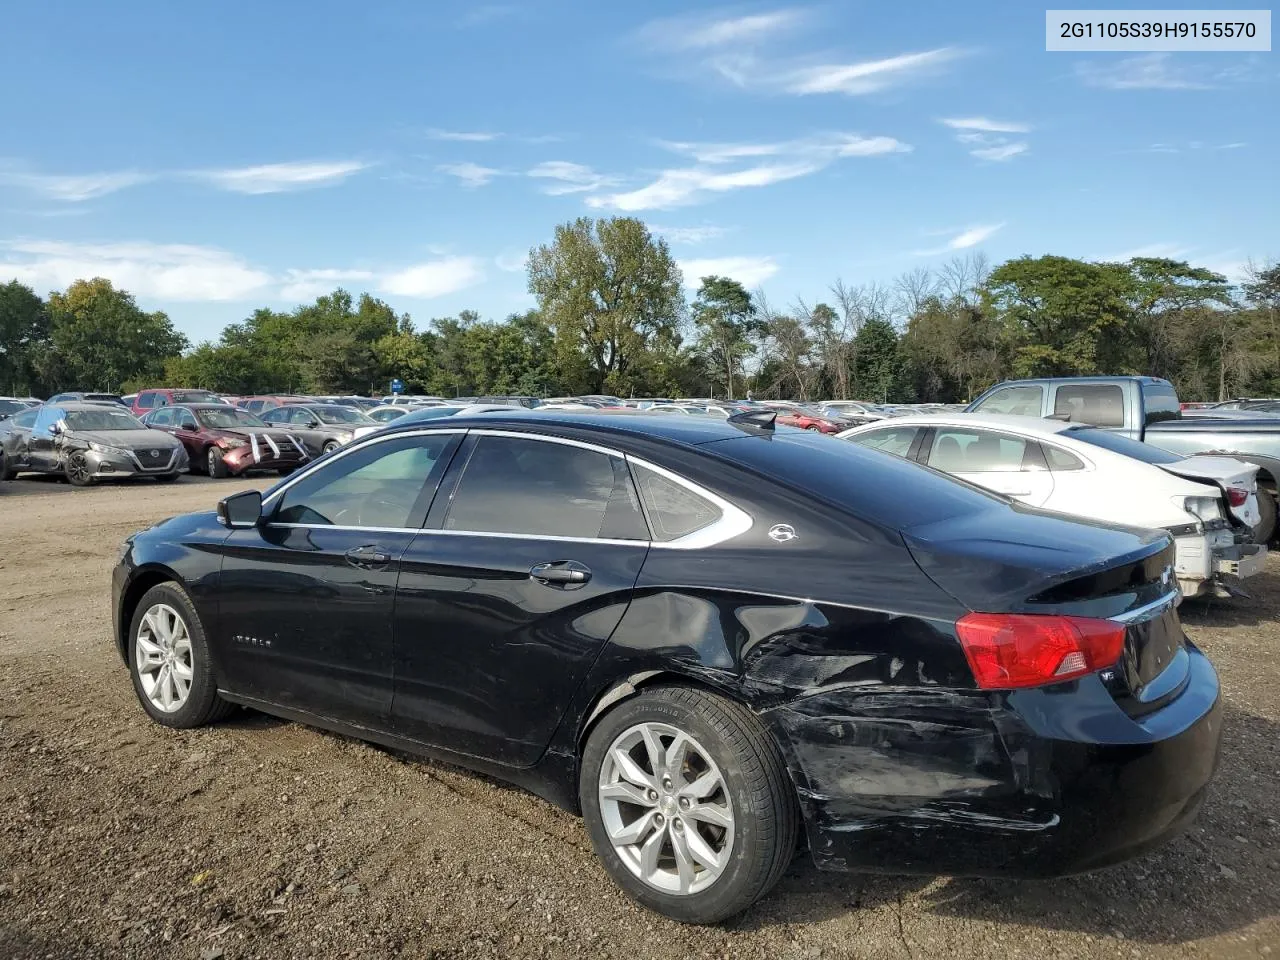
{"x":331,"y":446}
{"x":688,"y":803}
{"x":77,"y":469}
{"x":215,"y":465}
{"x":169,"y":661}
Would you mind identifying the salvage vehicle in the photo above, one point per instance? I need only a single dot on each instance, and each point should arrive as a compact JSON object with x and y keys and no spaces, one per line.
{"x":705,"y":635}
{"x":224,"y":441}
{"x":1209,"y":505}
{"x":323,"y":427}
{"x":1147,"y":409}
{"x":87,"y":442}
{"x":77,"y":396}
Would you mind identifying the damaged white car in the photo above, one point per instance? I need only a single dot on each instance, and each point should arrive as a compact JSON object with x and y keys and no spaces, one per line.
{"x":1209,"y":504}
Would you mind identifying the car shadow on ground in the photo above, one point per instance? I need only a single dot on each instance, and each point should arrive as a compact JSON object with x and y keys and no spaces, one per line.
{"x":1219,"y":877}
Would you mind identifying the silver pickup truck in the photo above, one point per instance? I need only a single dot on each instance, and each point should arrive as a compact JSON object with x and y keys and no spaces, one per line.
{"x":1148,"y":409}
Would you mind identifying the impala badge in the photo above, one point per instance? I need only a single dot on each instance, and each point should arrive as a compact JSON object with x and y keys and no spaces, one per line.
{"x":782,"y":532}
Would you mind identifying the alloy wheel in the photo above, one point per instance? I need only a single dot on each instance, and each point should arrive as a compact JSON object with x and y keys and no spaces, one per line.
{"x":163,"y":656}
{"x":78,"y":469}
{"x":215,"y":458}
{"x":666,"y":808}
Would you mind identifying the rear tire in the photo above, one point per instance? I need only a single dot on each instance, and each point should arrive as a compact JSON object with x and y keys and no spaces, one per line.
{"x":214,"y":463}
{"x":169,"y":661}
{"x":693,"y":853}
{"x":1266,"y":527}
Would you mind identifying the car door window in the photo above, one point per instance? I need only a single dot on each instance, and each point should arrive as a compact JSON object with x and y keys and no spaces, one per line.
{"x":377,"y":485}
{"x":275,"y":416}
{"x":26,"y":420}
{"x":673,"y":509}
{"x":541,"y":488}
{"x":895,"y":440}
{"x":47,"y":417}
{"x":1024,"y":401}
{"x":301,"y":417}
{"x":1101,"y":404}
{"x":185,"y":419}
{"x":976,"y":451}
{"x":146,"y":401}
{"x":160,"y":418}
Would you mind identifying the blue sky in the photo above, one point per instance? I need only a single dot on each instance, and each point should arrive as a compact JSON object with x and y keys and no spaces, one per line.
{"x":214,"y":158}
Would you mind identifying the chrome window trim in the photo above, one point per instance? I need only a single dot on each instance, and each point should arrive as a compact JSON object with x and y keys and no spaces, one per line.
{"x":733,"y":522}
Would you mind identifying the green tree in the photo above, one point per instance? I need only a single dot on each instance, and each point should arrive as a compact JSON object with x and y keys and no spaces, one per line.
{"x":726,"y":320}
{"x":609,"y":292}
{"x":105,"y":341}
{"x":878,"y":366}
{"x":24,"y":339}
{"x":1161,"y":293}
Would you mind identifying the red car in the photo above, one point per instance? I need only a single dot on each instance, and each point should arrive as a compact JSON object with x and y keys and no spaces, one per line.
{"x":222,"y":440}
{"x":809,"y":421}
{"x":148,"y":400}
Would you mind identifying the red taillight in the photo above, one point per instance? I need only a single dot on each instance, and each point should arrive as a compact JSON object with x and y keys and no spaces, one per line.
{"x":1009,"y":650}
{"x":1236,"y":497}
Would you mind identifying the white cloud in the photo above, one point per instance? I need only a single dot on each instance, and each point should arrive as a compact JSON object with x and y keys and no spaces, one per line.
{"x":868,"y":76}
{"x":512,"y":261}
{"x":309,"y":284}
{"x":689,"y":235}
{"x":986,"y":125}
{"x":434,"y":278}
{"x":1003,"y":151}
{"x":281,"y":177}
{"x":1151,"y":71}
{"x":748,"y":271}
{"x":566,"y":177}
{"x":678,"y":188}
{"x":471,"y":174}
{"x":825,"y":147}
{"x":702,"y":31}
{"x":463,"y":136}
{"x":966,"y":238}
{"x":178,"y":272}
{"x":73,"y":188}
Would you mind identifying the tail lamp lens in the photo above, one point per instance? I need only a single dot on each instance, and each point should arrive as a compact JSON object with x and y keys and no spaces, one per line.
{"x":1012,"y":650}
{"x":1237,"y":497}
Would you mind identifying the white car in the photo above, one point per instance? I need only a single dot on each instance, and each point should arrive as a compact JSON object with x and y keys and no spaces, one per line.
{"x":431,"y":412}
{"x":1206,"y":503}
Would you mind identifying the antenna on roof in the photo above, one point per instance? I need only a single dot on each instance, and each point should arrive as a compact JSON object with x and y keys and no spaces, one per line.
{"x":758,"y":419}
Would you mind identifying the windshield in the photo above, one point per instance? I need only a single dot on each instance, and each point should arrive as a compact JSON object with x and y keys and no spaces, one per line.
{"x":228,"y":419}
{"x":1122,"y":445}
{"x":336,"y":414}
{"x":105,"y":419}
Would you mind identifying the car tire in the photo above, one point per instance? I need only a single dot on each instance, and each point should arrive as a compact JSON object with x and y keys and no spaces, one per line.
{"x":1266,"y":527}
{"x":214,"y":464}
{"x":331,"y":446}
{"x":813,"y":426}
{"x":747,"y":824}
{"x":183,"y":649}
{"x":76,"y":469}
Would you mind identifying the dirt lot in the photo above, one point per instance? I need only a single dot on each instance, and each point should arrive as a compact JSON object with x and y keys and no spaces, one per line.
{"x":258,"y":838}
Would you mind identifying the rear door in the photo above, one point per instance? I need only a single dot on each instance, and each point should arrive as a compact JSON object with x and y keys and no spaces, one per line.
{"x":531,"y":554}
{"x":1005,"y":463}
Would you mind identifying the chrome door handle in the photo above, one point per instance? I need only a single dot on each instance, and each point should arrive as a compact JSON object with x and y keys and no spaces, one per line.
{"x":561,"y":573}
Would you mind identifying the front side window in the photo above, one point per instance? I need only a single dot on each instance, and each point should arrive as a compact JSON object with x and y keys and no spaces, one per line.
{"x":976,"y":451}
{"x":1025,"y":401}
{"x":300,"y":416}
{"x":674,"y":510}
{"x":47,"y":418}
{"x":26,"y":420}
{"x":339,"y":414}
{"x":278,"y":415}
{"x":159,"y":418}
{"x":1101,"y":404}
{"x":895,"y":440}
{"x":541,"y":488}
{"x":377,"y":485}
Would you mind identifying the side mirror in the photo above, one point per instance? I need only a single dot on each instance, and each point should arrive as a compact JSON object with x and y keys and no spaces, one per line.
{"x":241,"y":510}
{"x":189,"y":425}
{"x":55,"y":429}
{"x":313,"y":424}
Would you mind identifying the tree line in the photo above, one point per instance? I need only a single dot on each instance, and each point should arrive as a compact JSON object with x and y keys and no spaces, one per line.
{"x":612,"y":317}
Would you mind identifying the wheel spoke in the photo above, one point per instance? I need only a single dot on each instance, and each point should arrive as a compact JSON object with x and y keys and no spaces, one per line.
{"x":635,"y":831}
{"x":700,"y":851}
{"x":631,"y":770}
{"x":674,"y":759}
{"x":704,"y":786}
{"x":181,"y":685}
{"x":711,"y":813}
{"x":162,"y":686}
{"x":684,"y":861}
{"x":650,"y":852}
{"x":182,"y":670}
{"x":628,"y":793}
{"x":653,"y":747}
{"x":152,"y":620}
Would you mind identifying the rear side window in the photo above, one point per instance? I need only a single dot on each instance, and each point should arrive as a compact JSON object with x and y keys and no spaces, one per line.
{"x":541,"y":488}
{"x":1101,"y":404}
{"x":895,"y":440}
{"x":146,"y":401}
{"x":1025,"y":401}
{"x":1160,"y":402}
{"x":674,"y":510}
{"x":976,"y":451}
{"x":1060,"y":460}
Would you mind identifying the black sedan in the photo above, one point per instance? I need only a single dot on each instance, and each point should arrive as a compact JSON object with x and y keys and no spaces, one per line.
{"x":706,"y":636}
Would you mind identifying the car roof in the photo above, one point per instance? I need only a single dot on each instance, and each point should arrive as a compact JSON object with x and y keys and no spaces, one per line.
{"x":995,"y":421}
{"x":80,"y":405}
{"x":688,"y":431}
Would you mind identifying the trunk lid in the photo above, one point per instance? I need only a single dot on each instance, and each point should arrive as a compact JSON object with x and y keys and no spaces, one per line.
{"x":1019,"y":560}
{"x":1227,"y":474}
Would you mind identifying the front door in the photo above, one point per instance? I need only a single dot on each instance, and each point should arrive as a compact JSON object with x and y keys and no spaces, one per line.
{"x":41,"y":453}
{"x":508,"y":597}
{"x":1002,"y":462}
{"x":307,"y":596}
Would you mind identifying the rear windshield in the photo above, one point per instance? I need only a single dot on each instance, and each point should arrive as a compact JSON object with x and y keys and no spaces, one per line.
{"x":1160,"y":402}
{"x":876,"y":486}
{"x":1122,"y":445}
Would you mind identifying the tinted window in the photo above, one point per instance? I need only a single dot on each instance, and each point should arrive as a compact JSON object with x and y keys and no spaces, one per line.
{"x":541,"y":488}
{"x":895,"y":440}
{"x":337,"y":414}
{"x":1122,"y":445}
{"x":228,"y":418}
{"x":1021,"y":401}
{"x":976,"y":451}
{"x":1101,"y":404}
{"x":1060,"y":460}
{"x":146,"y":401}
{"x":278,"y":415}
{"x":674,"y":510}
{"x":159,"y":418}
{"x":1160,"y":402}
{"x":377,"y":485}
{"x":26,"y":420}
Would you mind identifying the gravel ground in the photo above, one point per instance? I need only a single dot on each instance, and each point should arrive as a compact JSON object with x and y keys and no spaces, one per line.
{"x":259,"y":838}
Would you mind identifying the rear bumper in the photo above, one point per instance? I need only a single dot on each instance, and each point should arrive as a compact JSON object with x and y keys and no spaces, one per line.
{"x":1203,"y":560}
{"x":1039,"y":783}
